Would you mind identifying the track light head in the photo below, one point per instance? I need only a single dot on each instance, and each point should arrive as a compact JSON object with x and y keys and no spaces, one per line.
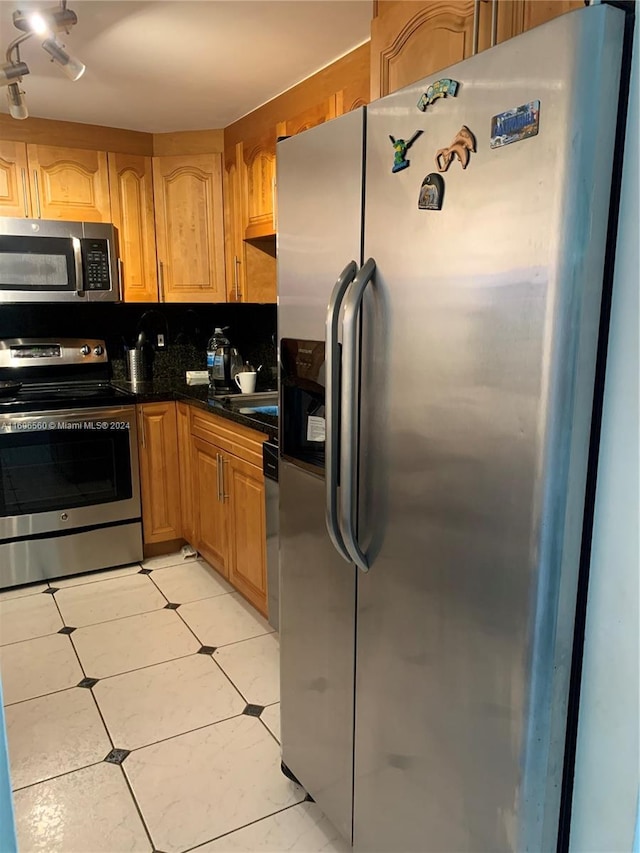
{"x":72,"y":67}
{"x":54,"y":20}
{"x":12,"y":72}
{"x":17,"y":106}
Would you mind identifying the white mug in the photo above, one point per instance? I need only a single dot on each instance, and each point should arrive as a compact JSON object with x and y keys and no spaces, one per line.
{"x":246,"y":382}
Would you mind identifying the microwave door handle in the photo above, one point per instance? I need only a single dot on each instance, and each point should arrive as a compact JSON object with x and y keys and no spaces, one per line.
{"x":77,"y":260}
{"x":332,"y":406}
{"x":349,"y":435}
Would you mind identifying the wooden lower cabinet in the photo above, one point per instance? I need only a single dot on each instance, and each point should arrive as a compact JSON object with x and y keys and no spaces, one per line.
{"x":201,"y":480}
{"x":228,"y":503}
{"x":159,"y":472}
{"x":247,"y":567}
{"x":211,"y":514}
{"x":183,"y":422}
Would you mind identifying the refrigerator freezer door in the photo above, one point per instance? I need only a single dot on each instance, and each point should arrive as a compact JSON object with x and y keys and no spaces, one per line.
{"x":485,"y":375}
{"x":320,"y":174}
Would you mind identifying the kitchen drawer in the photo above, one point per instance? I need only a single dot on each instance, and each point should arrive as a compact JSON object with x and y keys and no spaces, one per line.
{"x":234,"y":438}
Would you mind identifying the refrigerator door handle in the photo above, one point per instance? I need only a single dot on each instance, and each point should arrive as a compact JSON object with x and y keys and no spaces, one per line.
{"x":349,"y":427}
{"x":332,"y":406}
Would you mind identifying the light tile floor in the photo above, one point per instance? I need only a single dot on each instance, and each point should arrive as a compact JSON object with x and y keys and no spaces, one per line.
{"x":143,"y":714}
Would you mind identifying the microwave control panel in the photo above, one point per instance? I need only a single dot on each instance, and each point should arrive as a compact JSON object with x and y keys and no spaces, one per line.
{"x":95,"y":263}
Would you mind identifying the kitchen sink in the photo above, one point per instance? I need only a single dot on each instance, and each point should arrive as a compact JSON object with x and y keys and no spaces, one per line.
{"x":250,"y":402}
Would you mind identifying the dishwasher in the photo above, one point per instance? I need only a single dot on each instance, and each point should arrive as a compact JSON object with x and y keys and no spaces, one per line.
{"x":270,"y":468}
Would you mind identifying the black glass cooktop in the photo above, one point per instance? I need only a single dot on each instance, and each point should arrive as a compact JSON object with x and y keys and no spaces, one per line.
{"x":44,"y":397}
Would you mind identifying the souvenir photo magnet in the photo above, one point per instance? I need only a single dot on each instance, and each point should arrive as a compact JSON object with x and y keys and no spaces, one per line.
{"x":431,"y":192}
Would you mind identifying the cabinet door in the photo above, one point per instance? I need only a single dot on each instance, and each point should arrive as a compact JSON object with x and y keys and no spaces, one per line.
{"x":159,"y":472}
{"x":189,"y":227}
{"x":234,"y":224}
{"x":518,"y":16}
{"x":131,"y":186}
{"x":183,"y":420}
{"x":14,"y":184}
{"x":309,"y":117}
{"x":247,"y":566}
{"x":211,"y":516}
{"x":410,"y":40}
{"x":259,"y":159}
{"x":69,"y":183}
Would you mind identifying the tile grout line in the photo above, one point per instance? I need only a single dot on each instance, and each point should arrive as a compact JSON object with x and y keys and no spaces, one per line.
{"x":137,"y":805}
{"x":268,"y":729}
{"x":244,"y":826}
{"x":57,"y":776}
{"x":28,"y":639}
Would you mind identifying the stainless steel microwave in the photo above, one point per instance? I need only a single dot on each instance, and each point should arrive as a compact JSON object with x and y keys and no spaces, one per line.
{"x":50,"y":261}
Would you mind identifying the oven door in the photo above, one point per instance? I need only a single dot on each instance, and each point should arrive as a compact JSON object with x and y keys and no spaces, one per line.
{"x":64,"y":470}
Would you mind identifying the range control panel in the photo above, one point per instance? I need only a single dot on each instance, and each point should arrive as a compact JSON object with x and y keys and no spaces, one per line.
{"x":41,"y":352}
{"x":95,"y":263}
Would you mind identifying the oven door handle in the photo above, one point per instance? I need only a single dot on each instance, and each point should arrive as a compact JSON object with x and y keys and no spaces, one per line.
{"x":77,"y":262}
{"x":56,"y":419}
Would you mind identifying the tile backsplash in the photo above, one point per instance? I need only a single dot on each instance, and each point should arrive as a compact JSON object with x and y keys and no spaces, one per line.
{"x":186,"y":327}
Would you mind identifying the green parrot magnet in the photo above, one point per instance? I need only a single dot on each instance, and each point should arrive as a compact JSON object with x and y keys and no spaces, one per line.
{"x":400,"y":148}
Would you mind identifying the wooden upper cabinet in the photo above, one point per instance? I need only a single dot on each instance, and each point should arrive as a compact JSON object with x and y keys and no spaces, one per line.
{"x":14,"y":183}
{"x":131,"y":184}
{"x":234,"y":225}
{"x":159,"y":472}
{"x":69,"y":183}
{"x":354,"y":95}
{"x":411,"y":40}
{"x":518,"y":16}
{"x":308,"y":117}
{"x":259,"y":158}
{"x":189,"y":227}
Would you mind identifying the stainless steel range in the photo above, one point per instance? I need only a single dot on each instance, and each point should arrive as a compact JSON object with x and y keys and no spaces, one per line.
{"x":69,"y":481}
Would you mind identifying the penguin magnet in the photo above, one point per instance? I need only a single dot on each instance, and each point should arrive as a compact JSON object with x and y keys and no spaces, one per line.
{"x":431,"y":192}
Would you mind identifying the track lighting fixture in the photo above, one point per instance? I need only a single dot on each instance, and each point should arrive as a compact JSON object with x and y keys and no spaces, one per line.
{"x":44,"y":25}
{"x":72,"y":67}
{"x":17,"y":107}
{"x":12,"y":71}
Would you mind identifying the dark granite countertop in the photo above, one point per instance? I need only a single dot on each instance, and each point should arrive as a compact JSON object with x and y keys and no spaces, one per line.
{"x":171,"y":388}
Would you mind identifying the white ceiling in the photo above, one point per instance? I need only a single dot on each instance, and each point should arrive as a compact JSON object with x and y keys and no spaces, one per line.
{"x":164,"y":65}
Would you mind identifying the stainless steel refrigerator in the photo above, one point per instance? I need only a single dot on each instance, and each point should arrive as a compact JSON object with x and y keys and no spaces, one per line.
{"x":438,"y":325}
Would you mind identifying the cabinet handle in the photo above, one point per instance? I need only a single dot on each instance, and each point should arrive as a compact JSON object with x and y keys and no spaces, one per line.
{"x":273,"y":204}
{"x":494,"y":22}
{"x":222,"y":460}
{"x":35,"y":181}
{"x":143,"y":436}
{"x":218,"y":470}
{"x":161,"y":279}
{"x":236,"y":264}
{"x":24,"y":192}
